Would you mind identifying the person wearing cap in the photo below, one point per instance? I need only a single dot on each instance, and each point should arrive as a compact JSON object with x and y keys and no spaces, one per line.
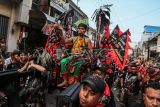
{"x":80,"y":43}
{"x":91,"y":91}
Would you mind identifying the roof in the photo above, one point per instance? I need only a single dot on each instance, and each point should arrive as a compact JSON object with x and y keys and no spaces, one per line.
{"x":151,"y":29}
{"x":77,"y":8}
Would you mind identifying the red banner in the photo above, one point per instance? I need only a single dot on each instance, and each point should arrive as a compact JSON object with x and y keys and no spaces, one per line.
{"x":119,"y":46}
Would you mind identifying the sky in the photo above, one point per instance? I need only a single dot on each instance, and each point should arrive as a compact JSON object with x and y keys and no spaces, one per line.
{"x":128,"y":14}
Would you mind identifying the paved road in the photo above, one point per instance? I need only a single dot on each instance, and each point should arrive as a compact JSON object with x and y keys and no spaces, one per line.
{"x":51,"y":98}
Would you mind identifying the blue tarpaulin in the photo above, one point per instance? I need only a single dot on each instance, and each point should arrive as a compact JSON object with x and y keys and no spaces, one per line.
{"x":152,"y":29}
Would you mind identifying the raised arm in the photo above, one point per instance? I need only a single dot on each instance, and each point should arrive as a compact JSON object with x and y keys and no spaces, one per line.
{"x":38,"y":67}
{"x":24,"y":68}
{"x":64,"y":40}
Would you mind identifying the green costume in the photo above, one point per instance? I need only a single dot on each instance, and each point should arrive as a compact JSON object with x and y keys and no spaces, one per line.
{"x":79,"y":46}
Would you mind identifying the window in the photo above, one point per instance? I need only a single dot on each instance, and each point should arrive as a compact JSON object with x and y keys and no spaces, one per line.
{"x":3,"y":26}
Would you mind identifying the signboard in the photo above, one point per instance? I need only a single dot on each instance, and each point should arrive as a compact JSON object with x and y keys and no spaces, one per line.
{"x":153,"y":48}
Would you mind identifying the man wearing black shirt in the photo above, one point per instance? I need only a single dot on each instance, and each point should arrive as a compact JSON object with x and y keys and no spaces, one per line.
{"x":15,"y":64}
{"x":151,"y":95}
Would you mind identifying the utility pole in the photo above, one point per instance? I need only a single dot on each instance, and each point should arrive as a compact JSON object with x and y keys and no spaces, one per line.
{"x":148,"y":48}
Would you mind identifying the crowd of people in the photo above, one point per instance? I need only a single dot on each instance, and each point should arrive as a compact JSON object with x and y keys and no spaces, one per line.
{"x":102,"y":85}
{"x":22,"y":62}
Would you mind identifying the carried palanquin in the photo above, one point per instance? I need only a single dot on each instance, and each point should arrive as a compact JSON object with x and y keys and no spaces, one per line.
{"x":79,"y":59}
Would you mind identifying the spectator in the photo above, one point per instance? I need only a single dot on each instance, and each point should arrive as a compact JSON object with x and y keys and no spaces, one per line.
{"x":23,"y":58}
{"x":151,"y":95}
{"x":108,"y":97}
{"x":13,"y":63}
{"x":91,"y":91}
{"x":1,"y":64}
{"x":12,"y":57}
{"x":2,"y":46}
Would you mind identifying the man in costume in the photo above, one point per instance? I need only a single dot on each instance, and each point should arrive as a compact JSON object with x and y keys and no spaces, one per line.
{"x":70,"y":73}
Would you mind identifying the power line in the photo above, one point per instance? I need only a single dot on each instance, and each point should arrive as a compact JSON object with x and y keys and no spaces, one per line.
{"x":142,"y":15}
{"x":116,"y":16}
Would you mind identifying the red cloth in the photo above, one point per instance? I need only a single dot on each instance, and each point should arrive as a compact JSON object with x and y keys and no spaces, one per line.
{"x":142,"y":70}
{"x":108,"y":60}
{"x":106,"y":93}
{"x":109,"y":71}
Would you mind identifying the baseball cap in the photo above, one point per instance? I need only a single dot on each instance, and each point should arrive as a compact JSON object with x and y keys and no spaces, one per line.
{"x":96,"y":83}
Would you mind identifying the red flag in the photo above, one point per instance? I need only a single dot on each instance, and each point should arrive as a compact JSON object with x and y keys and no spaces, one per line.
{"x":107,"y":32}
{"x":106,"y":36}
{"x":116,"y":33}
{"x":129,"y":39}
{"x":112,"y":45}
{"x":119,"y":31}
{"x":128,"y":33}
{"x":120,"y":48}
{"x":127,"y":47}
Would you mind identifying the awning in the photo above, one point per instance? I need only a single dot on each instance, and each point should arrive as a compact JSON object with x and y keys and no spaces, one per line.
{"x":39,"y":15}
{"x":57,"y":6}
{"x":151,"y":29}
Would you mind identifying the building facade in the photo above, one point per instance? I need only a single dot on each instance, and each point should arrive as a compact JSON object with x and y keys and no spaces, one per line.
{"x":13,"y":14}
{"x":78,"y":13}
{"x":150,"y":42}
{"x":25,"y":18}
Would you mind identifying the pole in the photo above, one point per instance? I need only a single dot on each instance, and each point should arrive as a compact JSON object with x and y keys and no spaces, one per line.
{"x":148,"y":53}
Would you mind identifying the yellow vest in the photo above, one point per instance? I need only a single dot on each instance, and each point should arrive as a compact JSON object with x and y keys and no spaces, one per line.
{"x":78,"y":45}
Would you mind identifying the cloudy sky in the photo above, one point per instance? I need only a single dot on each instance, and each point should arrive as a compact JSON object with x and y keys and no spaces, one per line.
{"x":132,"y":14}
